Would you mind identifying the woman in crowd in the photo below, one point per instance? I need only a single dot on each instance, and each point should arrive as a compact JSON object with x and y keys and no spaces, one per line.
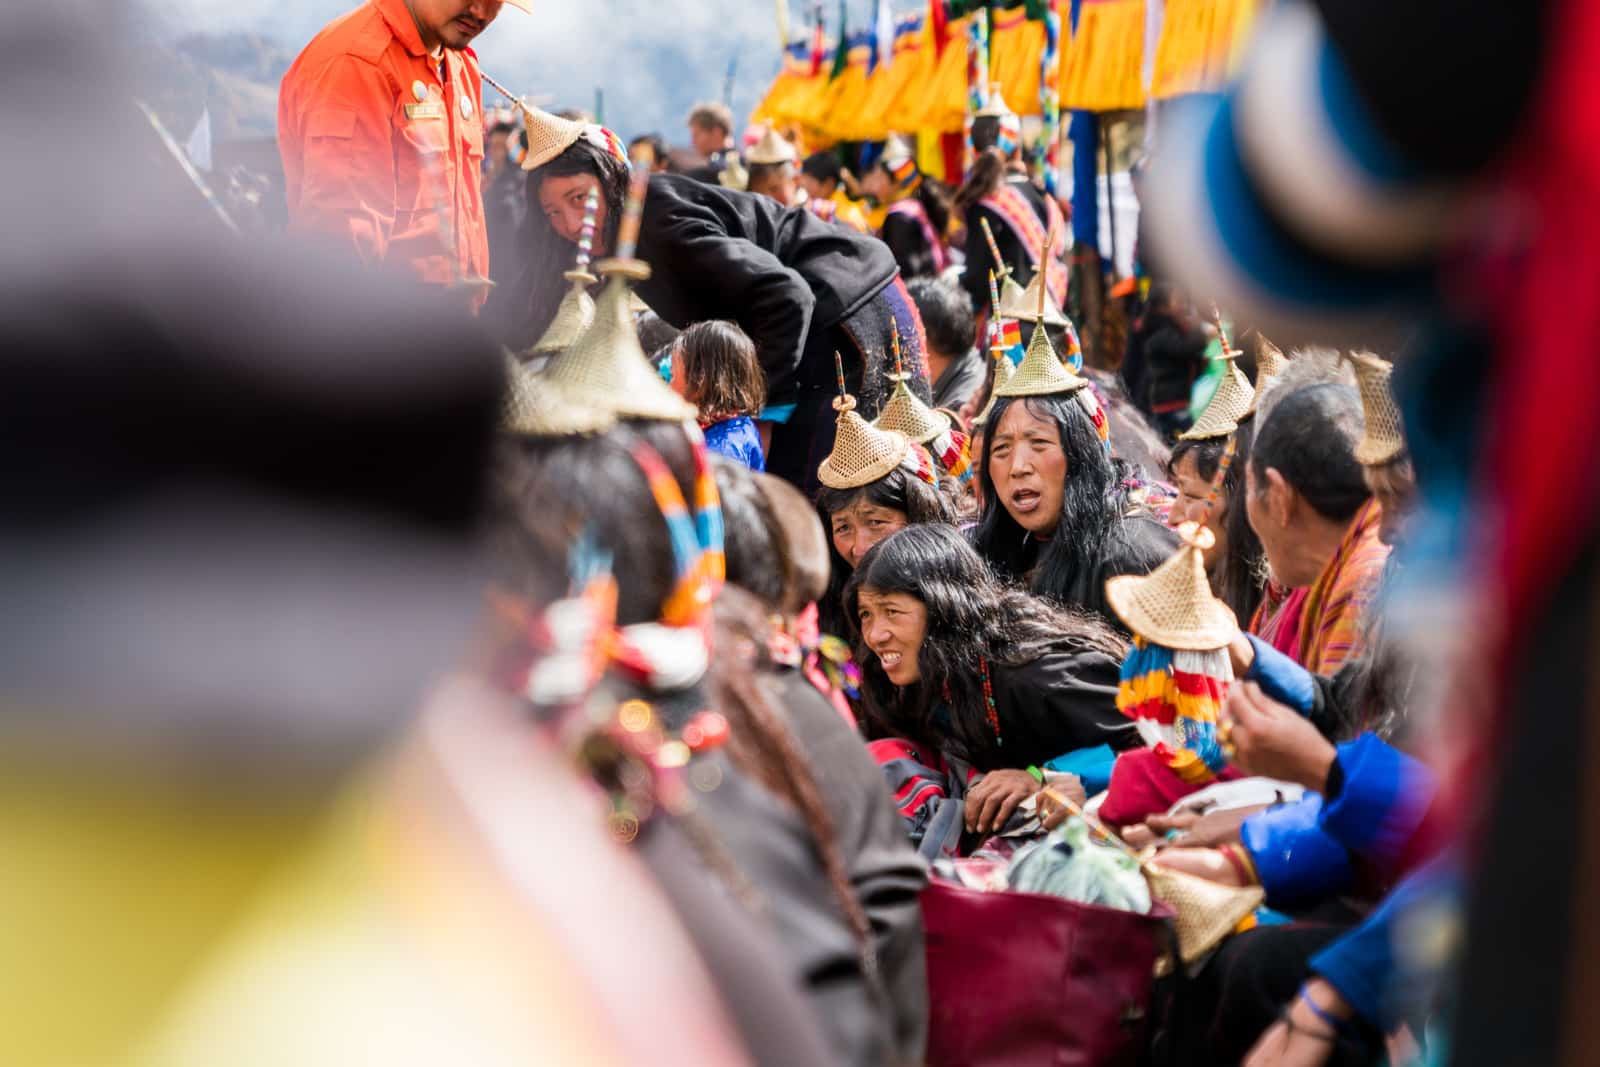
{"x":999,"y":191}
{"x":802,"y":289}
{"x":777,"y":569}
{"x":917,"y":213}
{"x":1057,"y":512}
{"x":873,"y":483}
{"x":985,"y":681}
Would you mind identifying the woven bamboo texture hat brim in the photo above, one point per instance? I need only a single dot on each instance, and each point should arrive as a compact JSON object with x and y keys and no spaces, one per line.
{"x":1041,"y":372}
{"x":1025,"y":307}
{"x":1003,"y":370}
{"x":1173,"y":605}
{"x":1233,"y":400}
{"x":574,"y":315}
{"x":606,"y":369}
{"x":907,"y":415}
{"x":1206,"y":911}
{"x":862,"y":453}
{"x":537,"y":407}
{"x":771,"y":149}
{"x":548,"y":136}
{"x":1270,"y":362}
{"x":1383,"y":438}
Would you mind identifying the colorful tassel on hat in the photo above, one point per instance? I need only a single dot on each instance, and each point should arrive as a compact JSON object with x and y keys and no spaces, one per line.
{"x":1175,"y":698}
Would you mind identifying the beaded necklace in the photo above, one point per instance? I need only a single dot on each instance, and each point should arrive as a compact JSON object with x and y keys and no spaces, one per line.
{"x":990,"y":711}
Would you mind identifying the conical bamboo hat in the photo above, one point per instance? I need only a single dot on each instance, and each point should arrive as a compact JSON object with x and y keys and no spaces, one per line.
{"x":607,"y":369}
{"x":772,"y":148}
{"x":548,"y":136}
{"x":1270,"y":363}
{"x":1003,"y":370}
{"x":862,"y":453}
{"x":1206,"y":911}
{"x":1011,"y":294}
{"x":538,"y":407}
{"x":573,"y":316}
{"x":1383,"y":440}
{"x":907,"y":415}
{"x":1027,"y":305}
{"x":1233,"y":400}
{"x":1041,"y":373}
{"x":1173,"y":605}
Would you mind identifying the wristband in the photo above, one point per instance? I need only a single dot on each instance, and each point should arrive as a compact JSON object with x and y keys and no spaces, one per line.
{"x":1337,"y":1025}
{"x":1037,"y":774}
{"x":1287,"y":1018}
{"x":1239,"y":860}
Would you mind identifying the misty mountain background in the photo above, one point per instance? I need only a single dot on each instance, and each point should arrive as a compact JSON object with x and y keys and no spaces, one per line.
{"x":653,"y":60}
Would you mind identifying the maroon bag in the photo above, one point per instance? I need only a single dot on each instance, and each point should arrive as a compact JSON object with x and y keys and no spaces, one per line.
{"x":1022,"y":980}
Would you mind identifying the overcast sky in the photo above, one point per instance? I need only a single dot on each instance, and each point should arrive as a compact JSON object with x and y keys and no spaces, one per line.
{"x":654,"y":58}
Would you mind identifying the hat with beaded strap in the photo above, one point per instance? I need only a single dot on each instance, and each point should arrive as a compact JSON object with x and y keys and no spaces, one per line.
{"x":548,"y":135}
{"x":1383,"y":439}
{"x":1234,"y":399}
{"x":1024,"y":305}
{"x":905,"y":413}
{"x":1173,"y":605}
{"x":538,"y":407}
{"x":862,"y":453}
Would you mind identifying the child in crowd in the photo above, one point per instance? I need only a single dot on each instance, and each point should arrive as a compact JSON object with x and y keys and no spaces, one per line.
{"x":714,"y":367}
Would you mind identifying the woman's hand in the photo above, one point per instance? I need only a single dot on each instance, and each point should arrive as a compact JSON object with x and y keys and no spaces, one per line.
{"x":995,"y":797}
{"x":1301,"y":1039}
{"x":1060,"y":794}
{"x":1272,"y":739}
{"x":1208,"y":830}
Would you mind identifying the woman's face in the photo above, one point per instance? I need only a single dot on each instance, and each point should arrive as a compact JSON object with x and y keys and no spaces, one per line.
{"x":562,"y":200}
{"x":1029,"y":469}
{"x":1190,"y":506}
{"x":862,"y":524}
{"x":876,"y":184}
{"x":892,"y":627}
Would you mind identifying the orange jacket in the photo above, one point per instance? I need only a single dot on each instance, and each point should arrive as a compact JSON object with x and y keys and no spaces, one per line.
{"x":381,"y":152}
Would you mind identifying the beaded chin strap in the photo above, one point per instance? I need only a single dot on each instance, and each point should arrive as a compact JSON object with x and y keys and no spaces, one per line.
{"x":697,"y":542}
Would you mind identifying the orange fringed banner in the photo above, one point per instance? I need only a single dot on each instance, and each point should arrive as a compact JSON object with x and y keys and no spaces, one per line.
{"x":1103,"y":66}
{"x":1202,"y":42}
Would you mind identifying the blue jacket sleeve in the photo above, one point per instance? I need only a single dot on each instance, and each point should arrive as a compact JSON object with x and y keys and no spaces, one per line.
{"x":1377,"y":797}
{"x":1293,"y":855}
{"x":1280,"y":677}
{"x":1387,"y":967}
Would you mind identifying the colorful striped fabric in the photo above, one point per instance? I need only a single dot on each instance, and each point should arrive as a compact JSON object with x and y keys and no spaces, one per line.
{"x":1332,"y":624}
{"x":1175,"y":698}
{"x":697,"y":541}
{"x":1017,"y":212}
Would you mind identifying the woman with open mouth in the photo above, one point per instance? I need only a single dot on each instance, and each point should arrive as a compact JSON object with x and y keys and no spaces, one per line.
{"x":1058,"y":512}
{"x":983,"y":683}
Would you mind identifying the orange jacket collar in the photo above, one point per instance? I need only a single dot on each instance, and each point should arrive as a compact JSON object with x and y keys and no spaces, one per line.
{"x":403,"y":24}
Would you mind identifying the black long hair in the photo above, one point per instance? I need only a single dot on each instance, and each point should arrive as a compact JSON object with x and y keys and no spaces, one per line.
{"x":971,"y":616}
{"x":899,"y":490}
{"x":1240,"y":575}
{"x":549,"y":254}
{"x":1093,"y":503}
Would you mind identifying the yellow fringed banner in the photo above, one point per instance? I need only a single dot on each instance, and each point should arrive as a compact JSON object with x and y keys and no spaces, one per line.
{"x":1015,"y":46}
{"x":1202,"y":42}
{"x":905,"y":75}
{"x":1102,"y":69}
{"x":942,"y":107}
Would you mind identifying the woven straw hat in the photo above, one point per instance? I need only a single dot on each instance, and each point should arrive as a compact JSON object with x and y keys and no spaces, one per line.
{"x":606,"y":368}
{"x":548,"y":136}
{"x":862,"y":453}
{"x":994,"y":104}
{"x":575,"y":315}
{"x":1173,"y":606}
{"x":1383,"y":440}
{"x":1011,"y":294}
{"x":1233,"y":400}
{"x":1270,"y":362}
{"x":1003,"y":371}
{"x":1026,"y":305}
{"x":1206,"y":911}
{"x":771,"y":149}
{"x":538,"y":407}
{"x":907,"y":415}
{"x":1042,"y":373}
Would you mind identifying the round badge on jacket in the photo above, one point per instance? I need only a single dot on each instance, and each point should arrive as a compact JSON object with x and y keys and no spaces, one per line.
{"x":466,"y":107}
{"x":419,"y":91}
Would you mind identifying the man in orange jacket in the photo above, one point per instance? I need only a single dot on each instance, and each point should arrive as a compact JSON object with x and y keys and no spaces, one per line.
{"x":380,"y":127}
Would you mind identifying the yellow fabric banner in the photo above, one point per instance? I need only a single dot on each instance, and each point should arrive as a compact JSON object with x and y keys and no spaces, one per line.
{"x":1101,"y":67}
{"x":1202,"y":42}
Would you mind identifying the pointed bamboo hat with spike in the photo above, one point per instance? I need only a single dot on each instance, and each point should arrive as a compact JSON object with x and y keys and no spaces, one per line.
{"x":770,"y":150}
{"x":1035,"y":304}
{"x":1003,"y":370}
{"x":862,"y":453}
{"x":548,"y":135}
{"x":1041,"y":373}
{"x":1270,"y":362}
{"x":537,"y":407}
{"x":1234,"y":398}
{"x":906,"y":414}
{"x":1173,"y":605}
{"x":1383,"y":439}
